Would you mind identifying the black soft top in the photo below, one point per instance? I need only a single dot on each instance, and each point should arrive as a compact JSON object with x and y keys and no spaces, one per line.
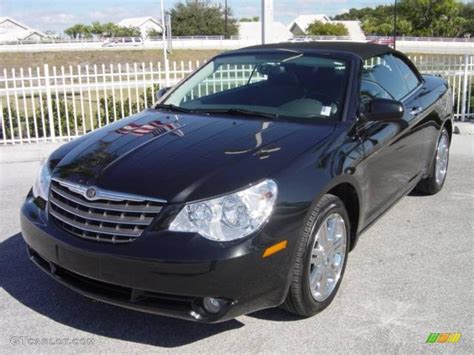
{"x":362,"y":50}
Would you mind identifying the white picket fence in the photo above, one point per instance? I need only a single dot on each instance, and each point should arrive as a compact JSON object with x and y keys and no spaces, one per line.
{"x":60,"y":103}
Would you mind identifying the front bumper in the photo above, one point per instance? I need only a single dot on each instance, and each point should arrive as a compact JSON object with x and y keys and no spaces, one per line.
{"x":162,"y":272}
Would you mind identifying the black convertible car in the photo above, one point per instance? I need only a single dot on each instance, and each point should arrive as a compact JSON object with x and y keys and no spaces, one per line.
{"x":247,"y":184}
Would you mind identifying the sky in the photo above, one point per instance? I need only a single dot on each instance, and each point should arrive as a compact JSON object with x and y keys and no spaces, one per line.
{"x":57,"y":15}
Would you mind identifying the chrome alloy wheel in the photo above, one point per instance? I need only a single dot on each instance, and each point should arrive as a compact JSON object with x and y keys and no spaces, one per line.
{"x":327,"y":257}
{"x":442,"y":154}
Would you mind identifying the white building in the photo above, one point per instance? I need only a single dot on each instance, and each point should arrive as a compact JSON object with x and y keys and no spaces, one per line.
{"x":300,"y":24}
{"x":253,"y":31}
{"x":12,"y":30}
{"x":355,"y":30}
{"x":144,"y":24}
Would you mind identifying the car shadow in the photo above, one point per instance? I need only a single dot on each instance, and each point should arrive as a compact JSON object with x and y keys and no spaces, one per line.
{"x":416,"y":193}
{"x":20,"y":278}
{"x":275,"y":315}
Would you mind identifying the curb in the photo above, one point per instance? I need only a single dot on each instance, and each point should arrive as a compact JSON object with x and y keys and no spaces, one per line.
{"x":464,"y":128}
{"x":28,"y":152}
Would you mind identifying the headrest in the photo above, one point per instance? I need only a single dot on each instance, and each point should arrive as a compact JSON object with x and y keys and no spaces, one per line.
{"x":283,"y":78}
{"x":326,"y":73}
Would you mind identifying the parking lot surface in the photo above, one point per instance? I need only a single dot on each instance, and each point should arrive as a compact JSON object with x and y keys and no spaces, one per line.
{"x":410,"y":275}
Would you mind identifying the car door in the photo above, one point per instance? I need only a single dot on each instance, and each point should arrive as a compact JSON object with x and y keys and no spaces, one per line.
{"x":422,"y":113}
{"x":391,"y":163}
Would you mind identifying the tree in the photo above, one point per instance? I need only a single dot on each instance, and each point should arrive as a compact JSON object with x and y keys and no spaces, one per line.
{"x":404,"y":27}
{"x":104,"y":30}
{"x":154,"y":33}
{"x":97,"y":29}
{"x":250,"y":19}
{"x":467,"y":11}
{"x":319,"y":28}
{"x":433,"y":17}
{"x":79,"y":31}
{"x":197,"y":18}
{"x":127,"y":32}
{"x":109,"y":29}
{"x":438,"y":18}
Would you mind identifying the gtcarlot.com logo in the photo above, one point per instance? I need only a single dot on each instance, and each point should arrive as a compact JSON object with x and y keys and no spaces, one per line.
{"x":443,"y":338}
{"x":27,"y":340}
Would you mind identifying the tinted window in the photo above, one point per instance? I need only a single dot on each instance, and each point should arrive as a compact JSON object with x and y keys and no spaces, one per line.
{"x":370,"y":90}
{"x":284,"y":84}
{"x":410,"y":78}
{"x":384,"y":71}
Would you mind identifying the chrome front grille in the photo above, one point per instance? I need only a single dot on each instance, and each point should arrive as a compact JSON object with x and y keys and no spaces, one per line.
{"x":100,"y":215}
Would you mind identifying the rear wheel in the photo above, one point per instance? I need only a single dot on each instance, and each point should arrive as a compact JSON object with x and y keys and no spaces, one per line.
{"x":439,"y":168}
{"x":321,"y":258}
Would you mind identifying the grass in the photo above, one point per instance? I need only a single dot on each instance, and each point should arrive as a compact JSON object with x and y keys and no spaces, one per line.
{"x":18,"y":60}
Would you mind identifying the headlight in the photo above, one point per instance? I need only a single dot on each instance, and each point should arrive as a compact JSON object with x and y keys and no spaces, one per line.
{"x":43,"y":180}
{"x":228,"y":217}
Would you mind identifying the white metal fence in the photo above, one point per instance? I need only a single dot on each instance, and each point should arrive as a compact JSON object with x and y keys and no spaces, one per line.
{"x":420,"y":45}
{"x":59,"y":103}
{"x":48,"y":103}
{"x":49,"y":40}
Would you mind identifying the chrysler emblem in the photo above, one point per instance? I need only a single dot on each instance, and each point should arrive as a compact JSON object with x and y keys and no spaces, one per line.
{"x":91,"y":192}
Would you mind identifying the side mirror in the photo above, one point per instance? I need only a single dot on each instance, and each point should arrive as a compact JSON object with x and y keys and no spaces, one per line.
{"x":160,"y":93}
{"x":384,"y":110}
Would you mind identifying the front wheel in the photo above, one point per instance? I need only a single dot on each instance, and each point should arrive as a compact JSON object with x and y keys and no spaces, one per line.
{"x":321,"y":258}
{"x":439,"y":168}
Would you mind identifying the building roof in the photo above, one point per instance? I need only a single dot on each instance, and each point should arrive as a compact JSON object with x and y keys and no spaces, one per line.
{"x":362,"y":50}
{"x":253,"y":31}
{"x":303,"y":21}
{"x":137,"y":21}
{"x":21,"y":31}
{"x":18,"y":23}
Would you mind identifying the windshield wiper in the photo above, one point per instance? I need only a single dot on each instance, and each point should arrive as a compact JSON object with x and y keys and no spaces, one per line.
{"x":173,"y":108}
{"x":240,"y":112}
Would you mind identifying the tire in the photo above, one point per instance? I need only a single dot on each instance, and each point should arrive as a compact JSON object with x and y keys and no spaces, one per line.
{"x":433,"y":184}
{"x":302,"y":298}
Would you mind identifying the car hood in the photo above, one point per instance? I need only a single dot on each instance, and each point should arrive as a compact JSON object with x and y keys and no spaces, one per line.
{"x":185,"y":157}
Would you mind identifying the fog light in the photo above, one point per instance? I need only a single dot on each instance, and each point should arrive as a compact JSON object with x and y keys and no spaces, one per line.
{"x":212,"y":305}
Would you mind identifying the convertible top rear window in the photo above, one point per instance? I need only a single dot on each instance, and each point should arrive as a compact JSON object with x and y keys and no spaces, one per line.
{"x":282,"y":84}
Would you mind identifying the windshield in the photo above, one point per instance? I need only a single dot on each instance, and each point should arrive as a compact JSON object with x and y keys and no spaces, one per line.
{"x":283,"y":84}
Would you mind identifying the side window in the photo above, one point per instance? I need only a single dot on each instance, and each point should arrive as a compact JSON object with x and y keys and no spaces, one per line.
{"x":408,"y":75}
{"x":384,"y":71}
{"x":370,"y":90}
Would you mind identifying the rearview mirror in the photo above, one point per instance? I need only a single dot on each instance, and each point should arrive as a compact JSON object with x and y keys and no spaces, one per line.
{"x":160,"y":93}
{"x":384,"y":110}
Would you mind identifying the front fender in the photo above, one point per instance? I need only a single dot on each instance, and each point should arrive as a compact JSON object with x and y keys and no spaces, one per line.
{"x":328,"y":166}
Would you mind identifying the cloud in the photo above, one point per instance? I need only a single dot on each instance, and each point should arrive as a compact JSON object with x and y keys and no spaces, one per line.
{"x":342,"y":11}
{"x":246,"y":11}
{"x":44,"y":20}
{"x":58,"y":18}
{"x":58,"y":15}
{"x":114,"y":14}
{"x":320,"y":2}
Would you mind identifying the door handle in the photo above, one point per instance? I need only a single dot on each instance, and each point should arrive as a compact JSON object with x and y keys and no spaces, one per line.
{"x":416,"y":110}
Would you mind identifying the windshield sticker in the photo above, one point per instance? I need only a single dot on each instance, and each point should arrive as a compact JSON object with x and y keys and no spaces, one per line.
{"x":326,"y":111}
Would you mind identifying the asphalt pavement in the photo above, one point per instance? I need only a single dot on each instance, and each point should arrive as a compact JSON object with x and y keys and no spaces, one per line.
{"x":410,"y":275}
